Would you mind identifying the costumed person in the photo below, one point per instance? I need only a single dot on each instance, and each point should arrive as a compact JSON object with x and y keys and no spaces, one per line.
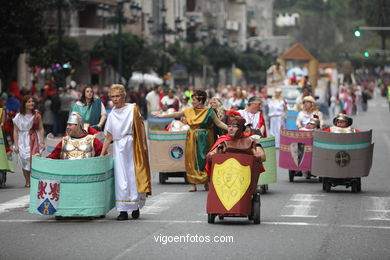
{"x":217,"y":104}
{"x":276,"y":112}
{"x":178,"y":125}
{"x":125,"y":128}
{"x":309,"y":109}
{"x":201,"y":120}
{"x":237,"y":141}
{"x":313,"y":124}
{"x":91,"y":109}
{"x":77,"y":144}
{"x":170,"y":101}
{"x":253,"y":115}
{"x":275,"y":75}
{"x":342,"y":124}
{"x":5,"y":153}
{"x":28,"y":134}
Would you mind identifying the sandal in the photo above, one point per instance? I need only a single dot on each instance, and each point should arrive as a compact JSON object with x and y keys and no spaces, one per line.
{"x":192,"y":189}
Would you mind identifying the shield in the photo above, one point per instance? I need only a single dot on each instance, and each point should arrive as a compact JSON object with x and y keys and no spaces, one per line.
{"x":231,"y":180}
{"x":297,"y":151}
{"x":48,"y":197}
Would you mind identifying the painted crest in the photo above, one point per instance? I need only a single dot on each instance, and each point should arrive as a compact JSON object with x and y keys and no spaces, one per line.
{"x":297,"y":151}
{"x":231,"y":180}
{"x":342,"y":158}
{"x":48,"y":197}
{"x":176,"y":152}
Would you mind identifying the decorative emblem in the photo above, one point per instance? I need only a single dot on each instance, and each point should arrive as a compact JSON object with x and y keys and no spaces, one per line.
{"x":297,"y":151}
{"x":342,"y":158}
{"x":231,"y":180}
{"x":48,"y":197}
{"x":176,"y":152}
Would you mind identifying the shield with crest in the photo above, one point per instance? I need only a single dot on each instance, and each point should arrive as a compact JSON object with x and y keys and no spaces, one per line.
{"x":48,"y":197}
{"x":295,"y":150}
{"x":234,"y":179}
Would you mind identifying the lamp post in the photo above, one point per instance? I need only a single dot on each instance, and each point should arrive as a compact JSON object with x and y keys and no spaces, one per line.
{"x":164,"y":31}
{"x":120,"y":20}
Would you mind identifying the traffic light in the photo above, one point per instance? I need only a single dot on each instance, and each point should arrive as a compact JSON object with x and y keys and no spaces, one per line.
{"x":357,"y":32}
{"x":366,"y":54}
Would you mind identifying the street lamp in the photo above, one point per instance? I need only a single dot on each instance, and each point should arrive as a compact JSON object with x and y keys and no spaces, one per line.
{"x":120,"y":19}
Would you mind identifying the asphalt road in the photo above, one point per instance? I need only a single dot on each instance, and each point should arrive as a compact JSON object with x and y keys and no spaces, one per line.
{"x":298,"y":220}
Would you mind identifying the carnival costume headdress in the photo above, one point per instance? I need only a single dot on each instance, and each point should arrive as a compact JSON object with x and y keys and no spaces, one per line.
{"x":234,"y":118}
{"x":315,"y":120}
{"x":343,"y":117}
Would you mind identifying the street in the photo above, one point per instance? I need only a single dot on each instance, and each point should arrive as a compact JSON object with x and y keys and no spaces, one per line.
{"x":298,"y":220}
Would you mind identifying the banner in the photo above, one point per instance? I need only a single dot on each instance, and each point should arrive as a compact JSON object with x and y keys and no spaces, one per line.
{"x":342,"y":155}
{"x":296,"y":150}
{"x":291,"y":122}
{"x":83,"y":187}
{"x":167,"y":150}
{"x":269,"y":176}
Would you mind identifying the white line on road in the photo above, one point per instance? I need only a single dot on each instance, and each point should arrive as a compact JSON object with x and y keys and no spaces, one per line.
{"x":162,"y":202}
{"x":304,"y":224}
{"x":20,"y":202}
{"x":377,"y":208}
{"x":303,"y":206}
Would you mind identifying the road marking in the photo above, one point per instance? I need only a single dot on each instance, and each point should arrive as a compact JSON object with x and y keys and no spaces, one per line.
{"x":302,"y":224}
{"x":303,"y":206}
{"x":162,"y":202}
{"x":20,"y":202}
{"x":377,"y":208}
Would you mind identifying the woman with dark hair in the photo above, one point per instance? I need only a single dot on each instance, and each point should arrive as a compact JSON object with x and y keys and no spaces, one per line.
{"x":91,"y":109}
{"x":28,"y":134}
{"x":200,"y":137}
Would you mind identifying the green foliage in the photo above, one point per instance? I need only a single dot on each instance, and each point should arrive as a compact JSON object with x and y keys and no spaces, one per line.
{"x":377,"y":13}
{"x":22,"y":28}
{"x":190,"y":57}
{"x":219,"y":56}
{"x":133,"y":47}
{"x":47,"y":55}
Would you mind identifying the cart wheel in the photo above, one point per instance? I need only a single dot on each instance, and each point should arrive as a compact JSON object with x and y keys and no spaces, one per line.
{"x":102,"y":216}
{"x":58,"y":217}
{"x":354,"y":187}
{"x":319,"y":179}
{"x":323,"y":186}
{"x":359,"y":186}
{"x":327,"y":186}
{"x":161,"y":178}
{"x":211,"y":218}
{"x":263,"y":189}
{"x":291,"y":175}
{"x":256,"y":210}
{"x":220,"y":217}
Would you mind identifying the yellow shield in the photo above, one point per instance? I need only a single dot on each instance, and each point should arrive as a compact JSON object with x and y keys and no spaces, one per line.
{"x":231,"y":180}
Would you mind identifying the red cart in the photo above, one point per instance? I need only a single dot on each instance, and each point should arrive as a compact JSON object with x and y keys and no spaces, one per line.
{"x":233,"y":183}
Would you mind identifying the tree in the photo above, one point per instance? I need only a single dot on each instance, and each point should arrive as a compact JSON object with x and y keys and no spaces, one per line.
{"x":376,"y":13}
{"x":22,"y":28}
{"x":47,"y":55}
{"x":133,"y":46}
{"x":220,"y":56}
{"x":253,"y":66}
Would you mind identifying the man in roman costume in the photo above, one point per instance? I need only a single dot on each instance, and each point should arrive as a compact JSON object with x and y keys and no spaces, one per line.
{"x":77,"y":144}
{"x":342,"y":124}
{"x":125,"y":128}
{"x":253,"y":115}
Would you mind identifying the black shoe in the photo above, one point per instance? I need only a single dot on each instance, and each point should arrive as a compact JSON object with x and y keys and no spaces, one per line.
{"x":123,"y":216}
{"x":135,"y":214}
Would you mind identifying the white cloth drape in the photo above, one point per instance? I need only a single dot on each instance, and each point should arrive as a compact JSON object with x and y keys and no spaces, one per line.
{"x":276,"y":113}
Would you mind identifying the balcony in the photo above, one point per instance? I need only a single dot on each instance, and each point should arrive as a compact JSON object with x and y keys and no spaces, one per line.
{"x":77,"y":32}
